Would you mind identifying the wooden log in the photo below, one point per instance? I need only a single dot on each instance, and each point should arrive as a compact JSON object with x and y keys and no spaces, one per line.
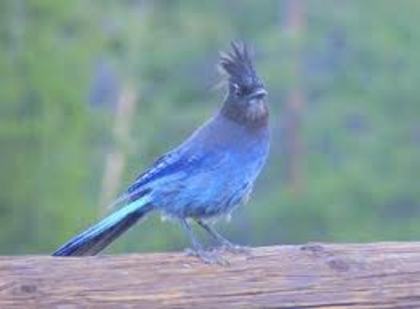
{"x":377,"y":275}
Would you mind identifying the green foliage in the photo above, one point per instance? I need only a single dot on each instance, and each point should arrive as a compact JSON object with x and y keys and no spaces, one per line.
{"x":358,"y":70}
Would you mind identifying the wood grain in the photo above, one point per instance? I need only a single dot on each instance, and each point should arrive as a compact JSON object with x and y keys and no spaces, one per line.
{"x":377,"y":275}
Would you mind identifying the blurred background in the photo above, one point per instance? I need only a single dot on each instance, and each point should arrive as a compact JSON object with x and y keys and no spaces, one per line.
{"x":92,"y":91}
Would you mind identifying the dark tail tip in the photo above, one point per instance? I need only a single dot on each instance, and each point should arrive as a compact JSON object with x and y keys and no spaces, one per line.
{"x":98,"y":237}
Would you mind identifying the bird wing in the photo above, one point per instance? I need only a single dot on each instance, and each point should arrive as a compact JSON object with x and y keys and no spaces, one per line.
{"x":173,"y":165}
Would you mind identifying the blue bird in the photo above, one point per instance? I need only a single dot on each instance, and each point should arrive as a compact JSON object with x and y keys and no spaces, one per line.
{"x":204,"y":178}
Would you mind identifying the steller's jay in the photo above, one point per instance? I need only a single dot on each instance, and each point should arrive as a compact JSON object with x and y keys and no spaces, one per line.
{"x":204,"y":178}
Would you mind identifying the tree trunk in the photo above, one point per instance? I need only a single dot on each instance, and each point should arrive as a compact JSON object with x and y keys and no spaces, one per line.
{"x":294,"y":25}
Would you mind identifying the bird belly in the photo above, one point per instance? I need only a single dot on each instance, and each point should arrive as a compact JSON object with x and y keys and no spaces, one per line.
{"x":202,"y":206}
{"x":205,"y":195}
{"x":212,"y":190}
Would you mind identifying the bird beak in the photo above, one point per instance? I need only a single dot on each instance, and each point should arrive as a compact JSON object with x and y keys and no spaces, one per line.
{"x":256,"y":101}
{"x":258,"y":94}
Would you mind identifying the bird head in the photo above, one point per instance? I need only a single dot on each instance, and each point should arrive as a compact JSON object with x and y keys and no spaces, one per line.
{"x":246,"y":98}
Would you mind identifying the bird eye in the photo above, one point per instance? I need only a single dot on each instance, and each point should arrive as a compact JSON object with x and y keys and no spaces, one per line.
{"x":236,"y":89}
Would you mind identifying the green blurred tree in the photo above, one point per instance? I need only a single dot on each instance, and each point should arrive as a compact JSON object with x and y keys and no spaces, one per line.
{"x":358,"y":71}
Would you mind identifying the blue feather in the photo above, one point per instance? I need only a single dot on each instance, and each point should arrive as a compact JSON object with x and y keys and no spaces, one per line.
{"x":166,"y":165}
{"x":95,"y":238}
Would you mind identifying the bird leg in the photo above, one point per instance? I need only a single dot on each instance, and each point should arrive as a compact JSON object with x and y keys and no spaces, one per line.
{"x":197,"y":249}
{"x":223,"y":242}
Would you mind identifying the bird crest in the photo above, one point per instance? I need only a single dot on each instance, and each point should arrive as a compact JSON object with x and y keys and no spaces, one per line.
{"x":238,"y":67}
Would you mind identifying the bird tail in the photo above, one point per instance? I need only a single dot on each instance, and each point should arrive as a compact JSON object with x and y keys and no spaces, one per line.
{"x":99,"y":236}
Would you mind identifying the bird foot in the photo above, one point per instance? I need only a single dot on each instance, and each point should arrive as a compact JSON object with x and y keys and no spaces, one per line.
{"x":208,"y":257}
{"x":235,"y":249}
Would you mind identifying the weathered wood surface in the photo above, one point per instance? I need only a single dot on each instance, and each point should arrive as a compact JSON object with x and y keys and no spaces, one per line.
{"x":380,"y":275}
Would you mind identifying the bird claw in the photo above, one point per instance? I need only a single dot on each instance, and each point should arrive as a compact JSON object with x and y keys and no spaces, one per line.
{"x":208,"y":257}
{"x":235,"y":249}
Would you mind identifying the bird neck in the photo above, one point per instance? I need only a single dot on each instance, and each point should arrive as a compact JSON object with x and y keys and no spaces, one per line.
{"x":251,"y":118}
